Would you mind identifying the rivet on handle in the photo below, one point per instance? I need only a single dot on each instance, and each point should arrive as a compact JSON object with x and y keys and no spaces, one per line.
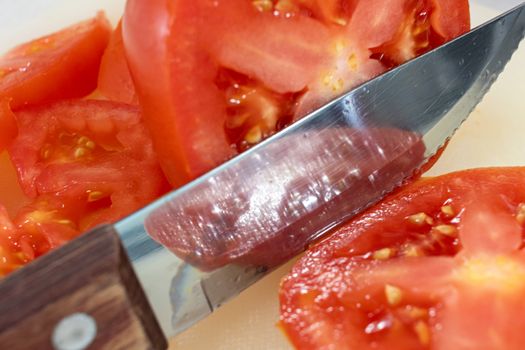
{"x":74,"y":332}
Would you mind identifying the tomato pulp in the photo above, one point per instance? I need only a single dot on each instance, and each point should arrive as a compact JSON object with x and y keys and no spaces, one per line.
{"x":437,"y":265}
{"x":216,"y":77}
{"x":114,"y":78}
{"x":80,"y":163}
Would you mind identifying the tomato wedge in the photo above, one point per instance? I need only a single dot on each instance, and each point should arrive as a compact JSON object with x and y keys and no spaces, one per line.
{"x":438,"y":265}
{"x":94,"y":153}
{"x":61,"y":65}
{"x":216,"y":77}
{"x":114,"y":78}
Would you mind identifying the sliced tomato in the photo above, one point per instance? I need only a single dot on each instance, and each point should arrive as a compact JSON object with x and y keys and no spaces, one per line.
{"x":61,"y":65}
{"x":438,"y":265}
{"x":96,"y":153}
{"x":114,"y":78}
{"x":216,"y":77}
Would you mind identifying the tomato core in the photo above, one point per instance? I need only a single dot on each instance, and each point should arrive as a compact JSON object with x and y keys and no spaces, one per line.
{"x":253,"y":112}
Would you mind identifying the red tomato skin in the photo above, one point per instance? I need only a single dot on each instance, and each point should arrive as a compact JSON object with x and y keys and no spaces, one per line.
{"x":114,"y":78}
{"x":38,"y":72}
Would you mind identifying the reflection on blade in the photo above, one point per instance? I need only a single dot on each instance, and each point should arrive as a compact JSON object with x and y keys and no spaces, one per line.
{"x":264,"y":206}
{"x":265,"y":209}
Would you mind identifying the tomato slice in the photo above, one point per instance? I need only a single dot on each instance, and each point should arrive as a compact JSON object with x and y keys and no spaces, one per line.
{"x":437,"y":265}
{"x":114,"y":78}
{"x":96,"y":153}
{"x":216,"y":77}
{"x":61,"y":65}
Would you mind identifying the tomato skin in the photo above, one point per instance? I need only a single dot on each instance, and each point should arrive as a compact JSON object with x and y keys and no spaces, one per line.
{"x":114,"y":78}
{"x":69,"y":59}
{"x":459,"y":289}
{"x":303,"y":52}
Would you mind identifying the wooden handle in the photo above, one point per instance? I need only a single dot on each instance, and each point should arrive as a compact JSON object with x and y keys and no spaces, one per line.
{"x":84,"y":295}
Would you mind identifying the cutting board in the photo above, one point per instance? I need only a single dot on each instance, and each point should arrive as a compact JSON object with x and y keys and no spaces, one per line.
{"x":492,"y":136}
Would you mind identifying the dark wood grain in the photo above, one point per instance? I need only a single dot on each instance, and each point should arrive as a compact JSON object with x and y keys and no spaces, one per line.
{"x":91,"y":274}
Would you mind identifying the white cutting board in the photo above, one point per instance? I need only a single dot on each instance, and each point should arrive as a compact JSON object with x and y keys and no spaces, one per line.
{"x":494,"y":135}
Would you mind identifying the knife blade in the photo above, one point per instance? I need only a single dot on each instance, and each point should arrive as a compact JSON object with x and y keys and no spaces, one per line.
{"x":238,"y":222}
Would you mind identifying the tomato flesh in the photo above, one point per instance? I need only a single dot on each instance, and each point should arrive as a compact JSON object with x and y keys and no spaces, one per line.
{"x":288,"y":57}
{"x":81,"y":163}
{"x":8,"y":128}
{"x":114,"y":78}
{"x":437,"y":265}
{"x":61,"y":65}
{"x":11,"y":258}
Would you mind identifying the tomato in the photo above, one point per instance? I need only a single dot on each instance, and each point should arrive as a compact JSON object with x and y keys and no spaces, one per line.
{"x":8,"y":128}
{"x":61,"y":65}
{"x":114,"y":79}
{"x":437,"y":265}
{"x":11,"y":258}
{"x":11,"y":195}
{"x":216,"y":77}
{"x":94,"y":153}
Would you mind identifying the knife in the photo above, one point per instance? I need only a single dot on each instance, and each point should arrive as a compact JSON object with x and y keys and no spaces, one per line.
{"x":153,"y":274}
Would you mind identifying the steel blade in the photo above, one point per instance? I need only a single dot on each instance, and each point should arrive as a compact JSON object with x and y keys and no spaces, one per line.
{"x":253,"y":213}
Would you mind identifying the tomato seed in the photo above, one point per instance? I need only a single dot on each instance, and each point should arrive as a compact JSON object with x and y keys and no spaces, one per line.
{"x":263,"y":5}
{"x":94,"y":196}
{"x":393,"y":294}
{"x":423,"y":332}
{"x":447,"y":230}
{"x":447,"y":210}
{"x":382,"y":254}
{"x":412,"y":251}
{"x":421,"y":219}
{"x":416,"y":312}
{"x":352,"y":62}
{"x":254,"y":135}
{"x":80,"y":152}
